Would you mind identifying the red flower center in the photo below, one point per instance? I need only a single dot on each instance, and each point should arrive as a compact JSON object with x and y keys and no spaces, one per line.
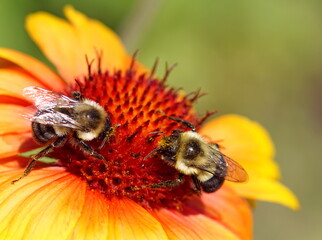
{"x":133,"y":104}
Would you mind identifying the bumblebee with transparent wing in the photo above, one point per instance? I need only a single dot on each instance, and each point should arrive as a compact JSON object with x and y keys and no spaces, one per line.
{"x":59,"y":119}
{"x":191,"y":155}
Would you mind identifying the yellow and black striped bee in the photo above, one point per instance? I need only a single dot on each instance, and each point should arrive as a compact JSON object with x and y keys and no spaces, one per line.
{"x":192,"y":155}
{"x":59,"y":119}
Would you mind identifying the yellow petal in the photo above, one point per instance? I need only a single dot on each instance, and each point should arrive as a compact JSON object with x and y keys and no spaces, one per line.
{"x":32,"y":66}
{"x":245,"y":141}
{"x":95,"y":35}
{"x":266,"y":190}
{"x":58,"y":41}
{"x":66,"y":44}
{"x":249,"y":144}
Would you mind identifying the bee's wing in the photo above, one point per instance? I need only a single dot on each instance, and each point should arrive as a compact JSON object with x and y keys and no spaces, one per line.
{"x":235,"y":172}
{"x":45,"y":99}
{"x":54,"y":118}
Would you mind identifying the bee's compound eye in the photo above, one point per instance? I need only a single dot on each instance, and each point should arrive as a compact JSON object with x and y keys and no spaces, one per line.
{"x":92,"y":115}
{"x":191,"y":150}
{"x":90,"y":118}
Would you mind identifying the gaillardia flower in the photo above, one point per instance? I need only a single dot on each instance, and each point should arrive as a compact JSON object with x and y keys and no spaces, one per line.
{"x":82,"y":197}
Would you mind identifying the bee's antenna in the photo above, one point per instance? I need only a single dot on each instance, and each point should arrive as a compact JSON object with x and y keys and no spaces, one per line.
{"x":156,"y":132}
{"x":152,"y":152}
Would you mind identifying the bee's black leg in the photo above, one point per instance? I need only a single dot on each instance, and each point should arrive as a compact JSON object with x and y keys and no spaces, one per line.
{"x":88,"y":149}
{"x":196,"y":183}
{"x":57,"y":143}
{"x":169,"y":183}
{"x":184,"y":122}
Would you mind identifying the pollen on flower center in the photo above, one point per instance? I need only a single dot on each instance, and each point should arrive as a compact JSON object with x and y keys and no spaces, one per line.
{"x":133,"y":103}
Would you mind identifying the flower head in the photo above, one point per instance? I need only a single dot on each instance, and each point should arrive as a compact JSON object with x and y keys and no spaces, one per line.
{"x":85,"y":197}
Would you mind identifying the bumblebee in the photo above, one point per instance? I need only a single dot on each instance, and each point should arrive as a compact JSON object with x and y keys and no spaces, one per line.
{"x":59,"y":119}
{"x":191,"y":155}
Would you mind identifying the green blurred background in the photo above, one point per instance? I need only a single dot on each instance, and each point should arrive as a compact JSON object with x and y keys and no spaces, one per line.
{"x":261,"y":59}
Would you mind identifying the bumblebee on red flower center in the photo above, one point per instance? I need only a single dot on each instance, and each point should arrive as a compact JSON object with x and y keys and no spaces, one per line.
{"x":190,"y":154}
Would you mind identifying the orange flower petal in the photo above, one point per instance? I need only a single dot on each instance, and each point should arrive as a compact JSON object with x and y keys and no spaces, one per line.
{"x":130,"y":219}
{"x":220,"y":215}
{"x":11,"y":120}
{"x":13,"y":144}
{"x":12,"y":98}
{"x":35,"y":68}
{"x":13,"y":81}
{"x":116,"y":219}
{"x":192,"y":225}
{"x":67,"y":44}
{"x":228,"y":208}
{"x":52,"y":200}
{"x":249,"y":144}
{"x":47,"y":202}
